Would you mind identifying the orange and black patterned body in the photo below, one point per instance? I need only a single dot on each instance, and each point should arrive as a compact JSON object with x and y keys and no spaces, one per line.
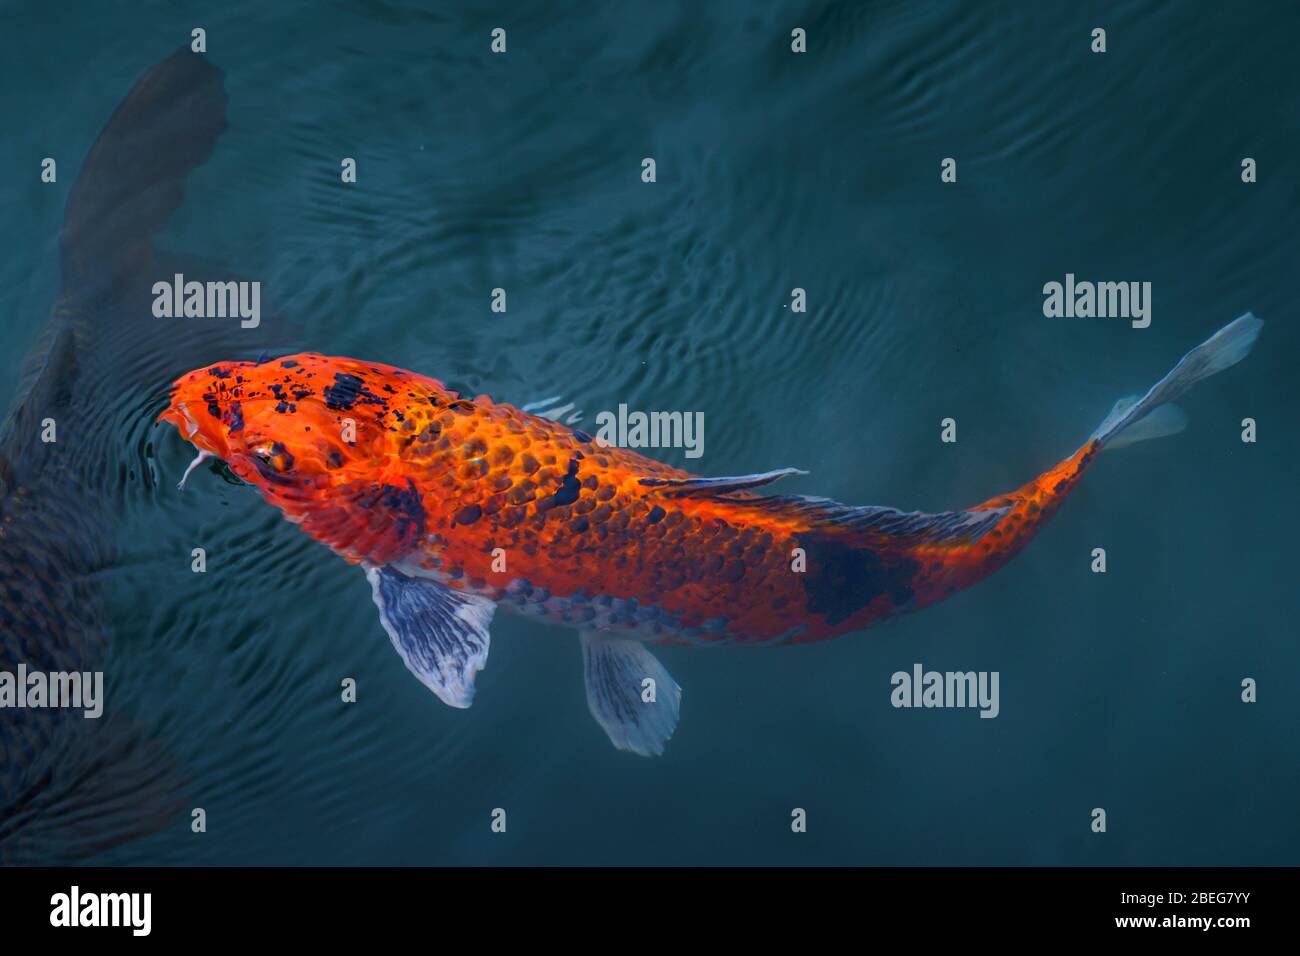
{"x":951,"y":568}
{"x":388,"y":467}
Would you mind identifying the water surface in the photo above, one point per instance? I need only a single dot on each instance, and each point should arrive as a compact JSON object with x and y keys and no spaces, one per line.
{"x":774,"y":171}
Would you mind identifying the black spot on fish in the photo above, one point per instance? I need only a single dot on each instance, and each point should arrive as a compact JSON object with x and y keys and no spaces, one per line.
{"x":656,"y":515}
{"x":282,"y":407}
{"x":335,"y":459}
{"x":236,"y":418}
{"x":732,"y":572}
{"x":300,"y":393}
{"x":343,"y":393}
{"x":402,"y":504}
{"x":406,"y":504}
{"x":289,"y":363}
{"x":347,"y":391}
{"x":569,"y":486}
{"x":220,"y":372}
{"x":841,"y":579}
{"x":468,"y":515}
{"x":214,"y":410}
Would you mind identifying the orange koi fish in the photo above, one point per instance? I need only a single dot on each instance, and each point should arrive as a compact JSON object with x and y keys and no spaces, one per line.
{"x":456,"y":507}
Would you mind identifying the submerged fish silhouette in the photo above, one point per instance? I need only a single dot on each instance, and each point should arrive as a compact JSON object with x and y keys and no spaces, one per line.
{"x":456,"y":507}
{"x":70,"y":786}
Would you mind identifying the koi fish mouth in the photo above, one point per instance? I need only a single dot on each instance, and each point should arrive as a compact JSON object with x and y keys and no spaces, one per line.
{"x":268,"y":460}
{"x":179,"y":415}
{"x":192,"y":429}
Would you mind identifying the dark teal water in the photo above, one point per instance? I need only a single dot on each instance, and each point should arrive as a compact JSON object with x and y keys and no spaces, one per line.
{"x":774,"y":170}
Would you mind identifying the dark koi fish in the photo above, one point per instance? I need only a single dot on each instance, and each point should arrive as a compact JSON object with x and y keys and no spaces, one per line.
{"x":71,"y":786}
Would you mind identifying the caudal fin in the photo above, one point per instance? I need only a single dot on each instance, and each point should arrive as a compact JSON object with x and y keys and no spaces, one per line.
{"x":133,"y":179}
{"x":1136,"y":419}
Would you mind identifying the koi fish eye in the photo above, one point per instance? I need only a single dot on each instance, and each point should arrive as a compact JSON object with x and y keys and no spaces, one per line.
{"x":271,"y":457}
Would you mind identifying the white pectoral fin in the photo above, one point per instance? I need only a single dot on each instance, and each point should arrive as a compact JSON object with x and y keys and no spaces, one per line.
{"x":440,"y":633}
{"x":631,"y":695}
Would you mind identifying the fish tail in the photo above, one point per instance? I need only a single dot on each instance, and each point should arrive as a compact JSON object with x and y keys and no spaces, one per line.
{"x":1132,"y":420}
{"x":1138,"y":418}
{"x":134,"y":176}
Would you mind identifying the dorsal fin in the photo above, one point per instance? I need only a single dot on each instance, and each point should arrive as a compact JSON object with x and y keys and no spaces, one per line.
{"x":874,"y":521}
{"x":46,"y":388}
{"x":717,"y":486}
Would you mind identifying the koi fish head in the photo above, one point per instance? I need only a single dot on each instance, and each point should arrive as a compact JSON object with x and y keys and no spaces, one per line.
{"x":317,"y":435}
